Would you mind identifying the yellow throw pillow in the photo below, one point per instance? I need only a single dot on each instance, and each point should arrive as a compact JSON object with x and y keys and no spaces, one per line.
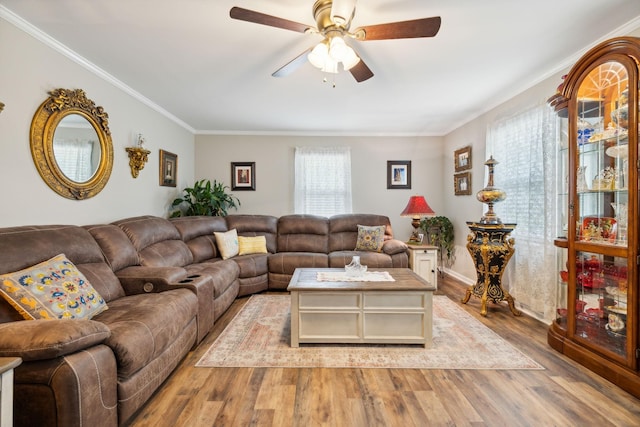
{"x":53,"y":289}
{"x":252,"y":245}
{"x":370,"y":238}
{"x":227,"y":243}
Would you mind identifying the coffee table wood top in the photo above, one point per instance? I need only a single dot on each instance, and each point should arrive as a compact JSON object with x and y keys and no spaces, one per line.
{"x":305,"y":279}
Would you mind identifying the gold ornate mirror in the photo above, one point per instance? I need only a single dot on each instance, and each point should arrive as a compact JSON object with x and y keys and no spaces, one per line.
{"x":71,"y":144}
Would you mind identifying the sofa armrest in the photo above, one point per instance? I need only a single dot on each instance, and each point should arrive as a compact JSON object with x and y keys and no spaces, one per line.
{"x":394,"y":246}
{"x":48,"y":339}
{"x":141,"y":279}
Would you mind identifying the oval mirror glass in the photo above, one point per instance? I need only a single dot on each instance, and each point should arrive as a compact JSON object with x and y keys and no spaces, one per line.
{"x":76,"y":148}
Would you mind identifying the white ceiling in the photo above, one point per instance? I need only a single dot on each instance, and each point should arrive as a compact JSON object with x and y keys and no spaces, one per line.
{"x":212,"y":74}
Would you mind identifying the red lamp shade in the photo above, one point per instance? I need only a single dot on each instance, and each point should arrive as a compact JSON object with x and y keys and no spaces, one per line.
{"x":417,"y":206}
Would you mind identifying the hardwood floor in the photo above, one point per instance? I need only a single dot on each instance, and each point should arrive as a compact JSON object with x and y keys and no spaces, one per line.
{"x":564,"y":394}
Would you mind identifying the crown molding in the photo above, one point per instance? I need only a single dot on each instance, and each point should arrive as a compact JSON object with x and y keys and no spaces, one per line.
{"x":54,"y":44}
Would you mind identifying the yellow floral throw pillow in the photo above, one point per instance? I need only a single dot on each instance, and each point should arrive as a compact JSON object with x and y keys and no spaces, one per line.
{"x":53,"y":289}
{"x":370,"y":238}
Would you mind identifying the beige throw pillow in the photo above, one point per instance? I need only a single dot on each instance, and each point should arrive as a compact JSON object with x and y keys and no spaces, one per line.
{"x":227,"y":243}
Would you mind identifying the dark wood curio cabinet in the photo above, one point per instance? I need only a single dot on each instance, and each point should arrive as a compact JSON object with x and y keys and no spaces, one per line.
{"x":597,"y":319}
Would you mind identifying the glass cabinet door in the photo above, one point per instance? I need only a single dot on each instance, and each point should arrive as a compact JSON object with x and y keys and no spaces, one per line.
{"x":602,"y":164}
{"x":562,"y":218}
{"x":599,"y":208}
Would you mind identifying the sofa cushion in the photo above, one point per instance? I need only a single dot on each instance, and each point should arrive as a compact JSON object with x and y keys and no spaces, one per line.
{"x":343,"y":229}
{"x":339,"y":259}
{"x":224,"y":273}
{"x":303,"y":233}
{"x":53,"y":289}
{"x":256,"y":225}
{"x":157,"y":240}
{"x":116,"y":246}
{"x":143,"y":326}
{"x":287,"y":262}
{"x":370,"y":238}
{"x":41,"y":340}
{"x":227,"y":243}
{"x":197,"y":233}
{"x":252,"y":245}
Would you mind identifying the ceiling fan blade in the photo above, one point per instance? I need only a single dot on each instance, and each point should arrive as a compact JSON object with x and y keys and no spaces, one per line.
{"x":292,"y":65}
{"x":425,"y":27}
{"x":272,"y":21}
{"x":361,"y":72}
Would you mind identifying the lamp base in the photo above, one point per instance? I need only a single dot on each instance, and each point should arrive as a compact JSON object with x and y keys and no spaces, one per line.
{"x":416,"y":237}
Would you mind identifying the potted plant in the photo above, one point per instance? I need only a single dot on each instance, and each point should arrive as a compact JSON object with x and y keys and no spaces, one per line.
{"x":439,"y":231}
{"x":205,"y":198}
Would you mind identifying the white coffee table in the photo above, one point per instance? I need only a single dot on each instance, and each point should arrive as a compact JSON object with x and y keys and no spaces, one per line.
{"x":398,"y":312}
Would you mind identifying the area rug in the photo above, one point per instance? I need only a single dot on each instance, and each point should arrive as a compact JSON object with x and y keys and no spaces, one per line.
{"x":259,"y":336}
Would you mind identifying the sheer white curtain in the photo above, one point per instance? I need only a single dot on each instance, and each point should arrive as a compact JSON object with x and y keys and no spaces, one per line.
{"x":526,"y":146}
{"x":74,"y":158}
{"x":323,"y":180}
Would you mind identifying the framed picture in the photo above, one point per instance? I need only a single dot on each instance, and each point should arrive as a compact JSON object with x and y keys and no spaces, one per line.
{"x":168,"y":168}
{"x":462,"y":184}
{"x":462,"y":159}
{"x":243,"y":176}
{"x":398,"y":174}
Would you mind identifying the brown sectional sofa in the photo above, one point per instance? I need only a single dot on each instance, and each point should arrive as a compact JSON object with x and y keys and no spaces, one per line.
{"x":165,"y":285}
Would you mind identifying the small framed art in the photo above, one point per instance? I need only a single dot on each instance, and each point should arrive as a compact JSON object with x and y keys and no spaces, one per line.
{"x":462,"y":184}
{"x":462,"y":159}
{"x":243,"y":176}
{"x":168,"y":168}
{"x":398,"y":174}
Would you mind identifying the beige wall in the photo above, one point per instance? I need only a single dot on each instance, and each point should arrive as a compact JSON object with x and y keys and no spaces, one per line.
{"x":274,"y":157}
{"x":466,"y":208}
{"x":28,"y":70}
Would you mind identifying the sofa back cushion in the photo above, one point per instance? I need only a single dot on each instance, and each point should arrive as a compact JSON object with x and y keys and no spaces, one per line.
{"x":197,"y":233}
{"x":157,"y":241}
{"x":115,"y":245}
{"x":303,"y":233}
{"x":26,"y":246}
{"x":343,"y":229}
{"x":256,"y":225}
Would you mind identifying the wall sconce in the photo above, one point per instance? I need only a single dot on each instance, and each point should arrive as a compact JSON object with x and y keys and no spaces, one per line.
{"x":138,"y":156}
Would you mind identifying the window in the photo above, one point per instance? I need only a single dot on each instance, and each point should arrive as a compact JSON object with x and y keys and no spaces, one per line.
{"x":322,"y":180}
{"x":526,"y":147}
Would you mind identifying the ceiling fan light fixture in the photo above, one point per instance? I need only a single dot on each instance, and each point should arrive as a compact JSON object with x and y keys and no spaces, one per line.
{"x":338,"y":49}
{"x":318,"y":55}
{"x":351,"y":60}
{"x":330,"y":65}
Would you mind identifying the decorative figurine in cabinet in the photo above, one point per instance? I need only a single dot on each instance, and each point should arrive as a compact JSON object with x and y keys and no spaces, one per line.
{"x":597,"y":314}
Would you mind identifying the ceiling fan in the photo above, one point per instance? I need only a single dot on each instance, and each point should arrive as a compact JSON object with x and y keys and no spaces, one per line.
{"x":333,"y":20}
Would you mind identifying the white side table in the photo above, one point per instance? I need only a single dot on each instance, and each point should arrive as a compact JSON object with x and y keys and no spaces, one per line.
{"x":423,"y":260}
{"x":7,"y":364}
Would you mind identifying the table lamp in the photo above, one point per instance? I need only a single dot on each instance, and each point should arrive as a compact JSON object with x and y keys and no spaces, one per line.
{"x":417,"y":208}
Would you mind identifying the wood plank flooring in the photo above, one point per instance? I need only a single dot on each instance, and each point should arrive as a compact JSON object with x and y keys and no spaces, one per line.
{"x":564,"y":394}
